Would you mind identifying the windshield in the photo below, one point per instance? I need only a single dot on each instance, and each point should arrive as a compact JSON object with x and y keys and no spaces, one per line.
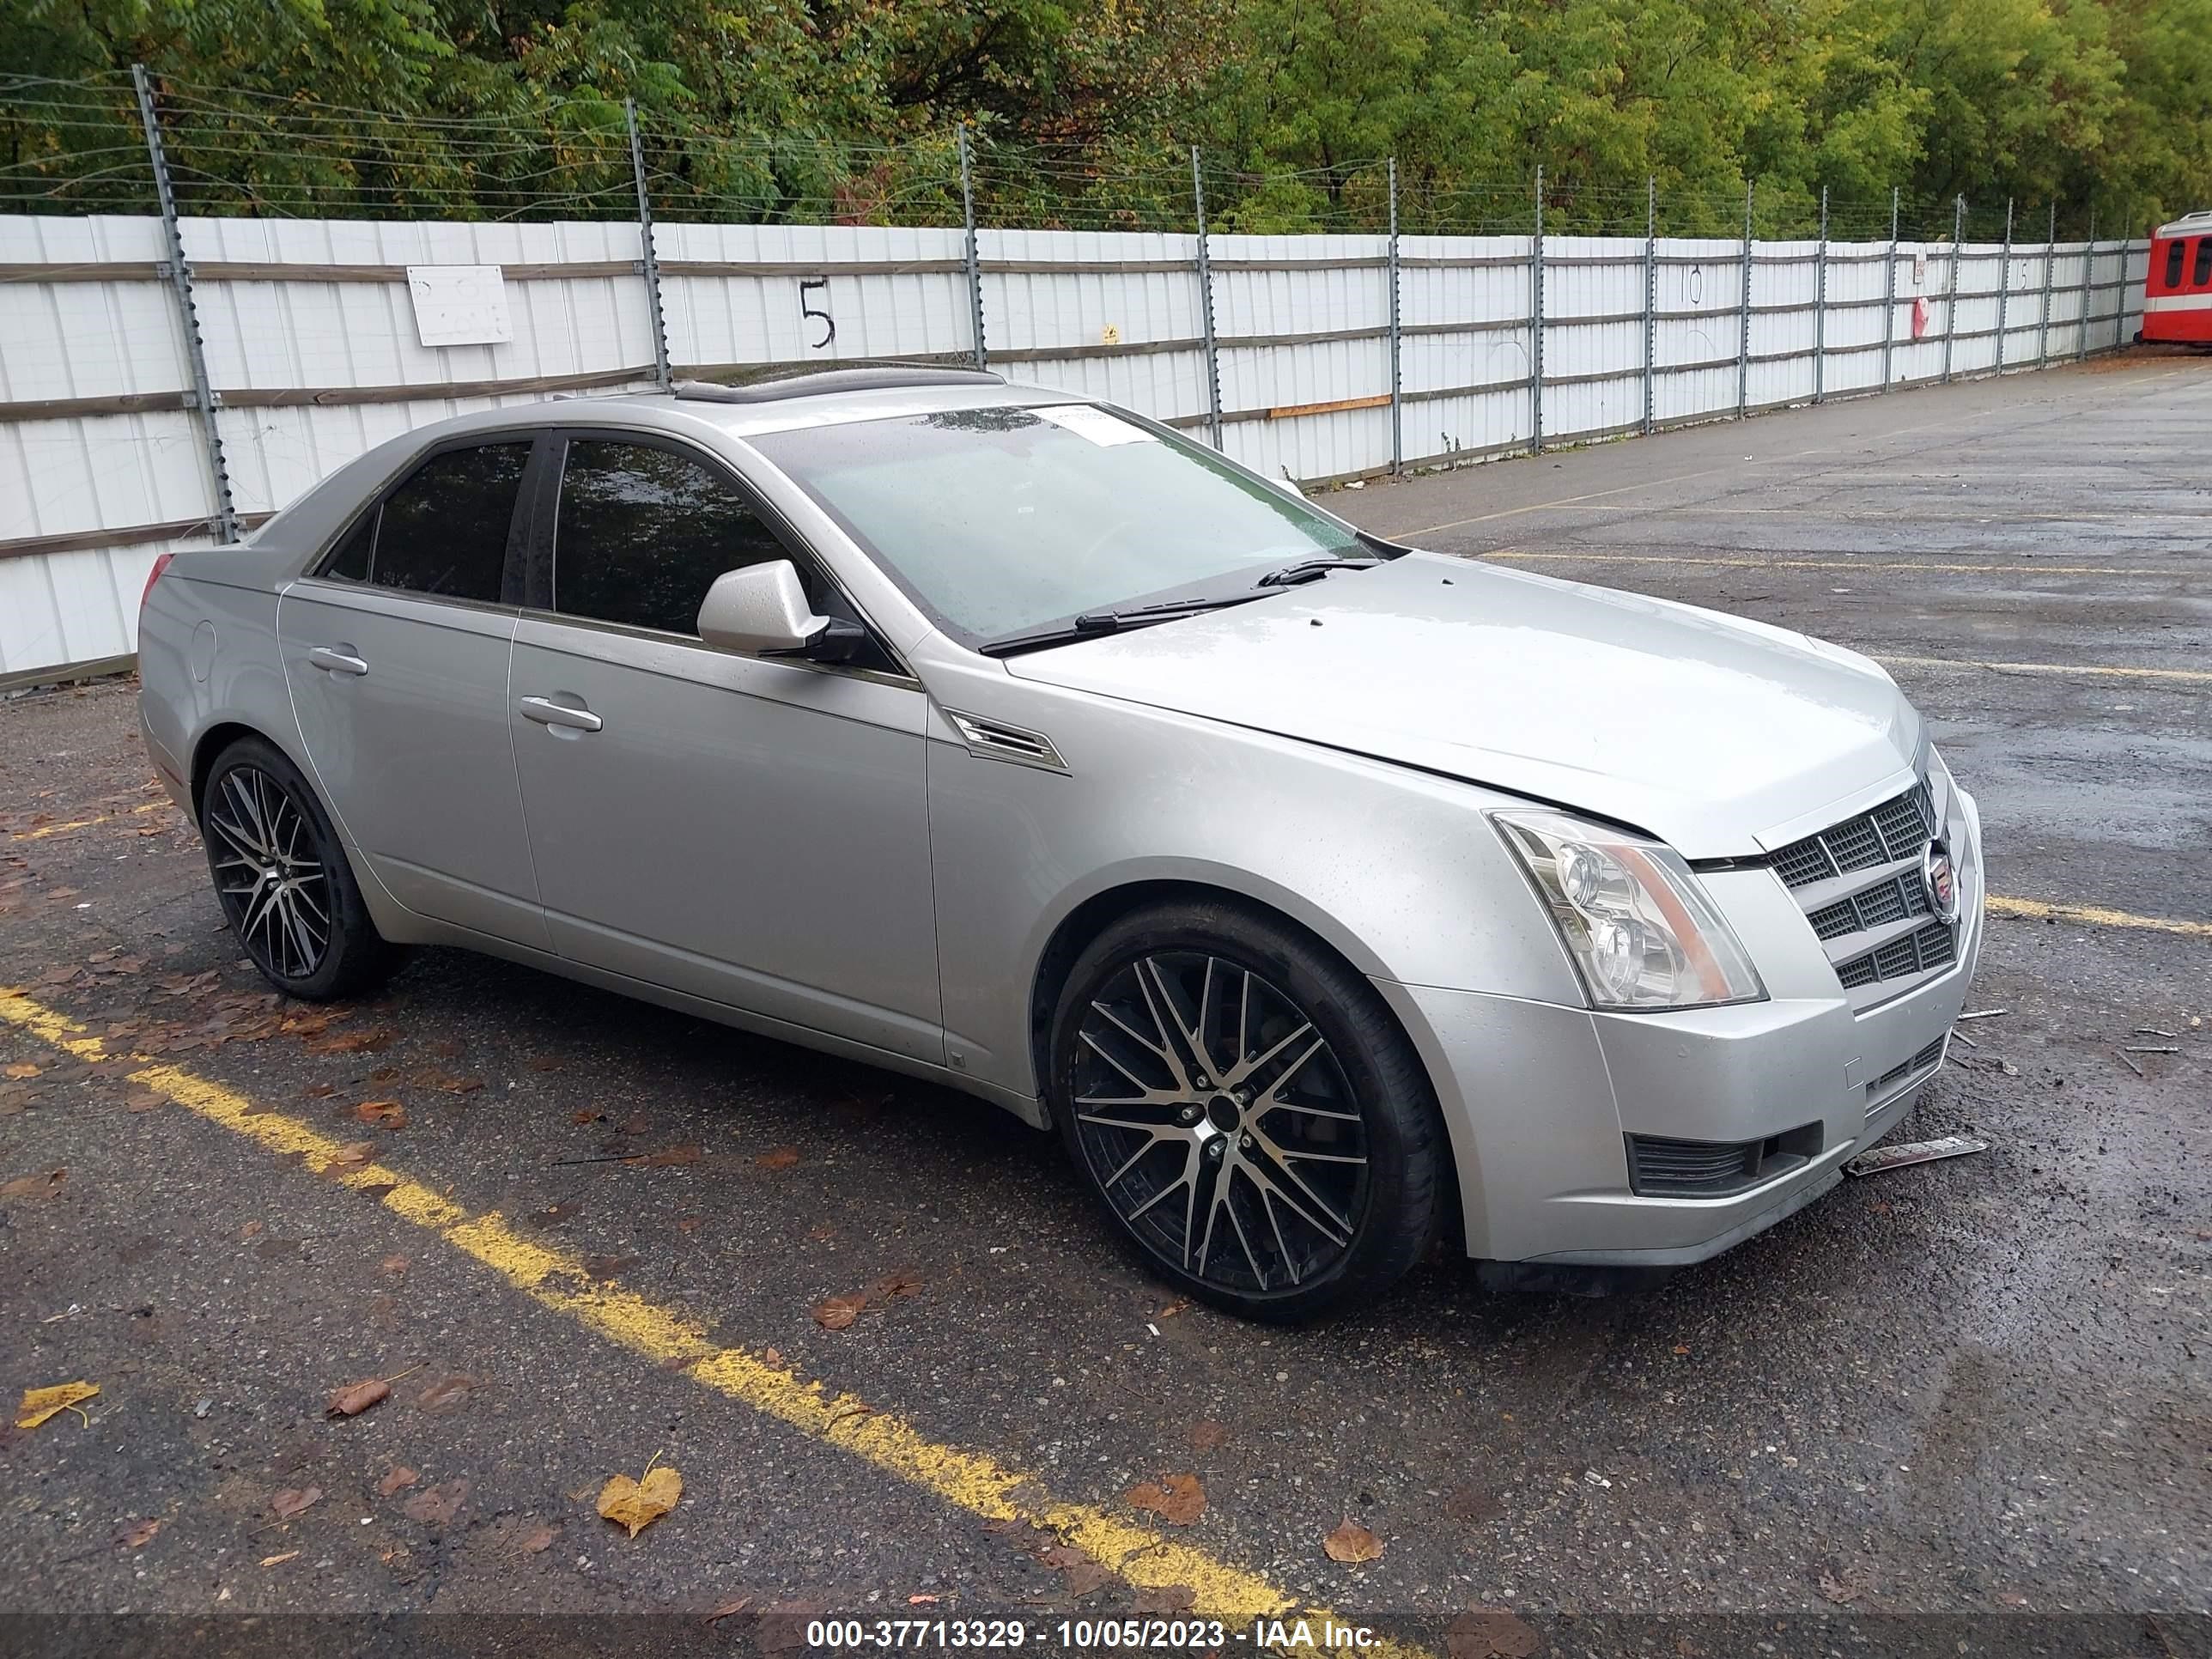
{"x":1001,"y":522}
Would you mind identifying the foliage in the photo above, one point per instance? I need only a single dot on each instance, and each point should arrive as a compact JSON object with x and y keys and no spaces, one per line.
{"x":1083,"y":110}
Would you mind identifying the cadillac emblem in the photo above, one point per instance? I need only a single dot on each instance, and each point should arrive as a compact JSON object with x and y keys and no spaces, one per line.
{"x":1941,"y":881}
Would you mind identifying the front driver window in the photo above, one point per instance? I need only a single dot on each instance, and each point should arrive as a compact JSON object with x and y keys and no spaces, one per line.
{"x":642,"y":532}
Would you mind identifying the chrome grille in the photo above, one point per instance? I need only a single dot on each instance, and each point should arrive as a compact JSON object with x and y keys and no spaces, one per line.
{"x":1880,"y":935}
{"x":1883,"y":902}
{"x":1899,"y":826}
{"x":1918,"y":953}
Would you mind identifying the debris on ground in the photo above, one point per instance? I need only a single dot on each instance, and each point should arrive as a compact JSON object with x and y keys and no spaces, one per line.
{"x":1914,"y":1152}
{"x":637,"y":1504}
{"x":40,"y":1404}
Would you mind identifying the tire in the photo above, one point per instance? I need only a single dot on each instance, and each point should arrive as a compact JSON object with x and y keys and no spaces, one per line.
{"x":307,"y":930}
{"x":1312,"y":1173}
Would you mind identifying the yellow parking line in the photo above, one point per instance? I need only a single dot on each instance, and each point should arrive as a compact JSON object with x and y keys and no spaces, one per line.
{"x":1514,"y":556}
{"x":557,"y":1279}
{"x":2094,"y":916}
{"x":45,"y":830}
{"x":2060,"y":670}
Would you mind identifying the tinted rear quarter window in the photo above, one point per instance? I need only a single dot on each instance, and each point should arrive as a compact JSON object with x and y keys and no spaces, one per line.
{"x":2173,"y":252}
{"x":445,"y":530}
{"x":2201,"y":274}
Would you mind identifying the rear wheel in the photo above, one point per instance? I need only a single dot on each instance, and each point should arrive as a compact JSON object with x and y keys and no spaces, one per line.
{"x":1247,"y":1110}
{"x":283,"y":880}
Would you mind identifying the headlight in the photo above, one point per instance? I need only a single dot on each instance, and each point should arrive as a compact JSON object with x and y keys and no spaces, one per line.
{"x":1639,"y":927}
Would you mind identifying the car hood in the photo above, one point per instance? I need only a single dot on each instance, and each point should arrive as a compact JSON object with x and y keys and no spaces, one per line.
{"x":1720,"y":736}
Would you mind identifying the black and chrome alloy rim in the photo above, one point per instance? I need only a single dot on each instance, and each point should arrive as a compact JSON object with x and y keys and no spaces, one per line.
{"x":271,"y":881}
{"x":1219,"y":1122}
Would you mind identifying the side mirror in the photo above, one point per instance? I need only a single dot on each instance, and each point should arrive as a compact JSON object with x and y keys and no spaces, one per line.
{"x":762,"y":608}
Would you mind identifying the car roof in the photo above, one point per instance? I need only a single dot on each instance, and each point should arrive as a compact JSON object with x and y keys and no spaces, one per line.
{"x":830,"y":398}
{"x":2188,"y":225}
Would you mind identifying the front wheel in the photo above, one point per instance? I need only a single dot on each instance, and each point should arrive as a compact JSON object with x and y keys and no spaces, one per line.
{"x":1247,"y":1110}
{"x":283,"y":880}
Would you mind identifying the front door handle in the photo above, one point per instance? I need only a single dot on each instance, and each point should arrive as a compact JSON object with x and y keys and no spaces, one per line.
{"x":337,"y":660}
{"x":546,"y":712}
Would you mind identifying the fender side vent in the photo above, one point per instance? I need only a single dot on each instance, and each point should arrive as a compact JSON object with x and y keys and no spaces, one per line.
{"x":996,"y":740}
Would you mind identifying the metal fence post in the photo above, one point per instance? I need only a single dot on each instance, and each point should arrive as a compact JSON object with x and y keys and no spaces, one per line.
{"x":980,"y":353}
{"x":1820,"y":307}
{"x":650,"y":263}
{"x":1397,"y":421}
{"x":1537,"y":324}
{"x":2088,"y":291}
{"x":1650,"y":300}
{"x":2004,"y":288}
{"x":202,"y":397}
{"x":1205,"y":304}
{"x":1951,"y":300}
{"x":1889,"y":296}
{"x":2050,"y":269}
{"x":1743,"y":335}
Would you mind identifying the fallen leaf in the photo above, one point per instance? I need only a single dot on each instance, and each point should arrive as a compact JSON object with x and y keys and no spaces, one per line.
{"x":139,"y":1098}
{"x":443,"y":1392}
{"x":355,"y":1155}
{"x":399,"y":1480}
{"x":581,"y":1118}
{"x":138,"y":1534}
{"x":609,"y":1266}
{"x":638,"y":1503}
{"x":382,"y":1113}
{"x":461,"y":1085}
{"x":44,"y":1186}
{"x":774,"y":1359}
{"x":667,"y":1157}
{"x":279,"y":1561}
{"x":537,"y":1540}
{"x":1164,"y":1601}
{"x":727,"y":1608}
{"x":439,"y":1505}
{"x":40,"y":1404}
{"x":1352,"y":1542}
{"x":1177,"y":1499}
{"x":837,"y":1313}
{"x":923,"y":1601}
{"x":356,"y":1398}
{"x":292,"y":1500}
{"x":394,"y":1265}
{"x":22,"y":1068}
{"x":1206,"y":1435}
{"x":782,"y":1157}
{"x":251,"y":1230}
{"x":896,"y":1285}
{"x":1084,"y":1578}
{"x":1487,"y":1633}
{"x":1837,"y":1590}
{"x":348,"y":1042}
{"x":543,"y":1063}
{"x":447,"y":1049}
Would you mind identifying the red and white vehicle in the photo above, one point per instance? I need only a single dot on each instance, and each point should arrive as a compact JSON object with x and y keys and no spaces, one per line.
{"x":2178,"y":294}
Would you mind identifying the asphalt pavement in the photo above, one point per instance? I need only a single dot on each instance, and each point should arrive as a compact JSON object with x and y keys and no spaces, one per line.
{"x":577,"y":1237}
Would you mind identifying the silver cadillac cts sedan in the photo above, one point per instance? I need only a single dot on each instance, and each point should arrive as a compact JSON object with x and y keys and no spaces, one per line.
{"x":1327,"y":897}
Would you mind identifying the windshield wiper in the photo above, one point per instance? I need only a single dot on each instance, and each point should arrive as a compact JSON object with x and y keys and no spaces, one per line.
{"x":1312,"y":570}
{"x":1092,"y":625}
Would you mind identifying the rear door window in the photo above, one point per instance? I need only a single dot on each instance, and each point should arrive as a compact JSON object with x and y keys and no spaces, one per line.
{"x":445,"y":530}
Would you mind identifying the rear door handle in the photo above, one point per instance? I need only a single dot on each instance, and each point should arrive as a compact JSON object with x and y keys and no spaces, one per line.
{"x":546,"y":712}
{"x":338,"y":660}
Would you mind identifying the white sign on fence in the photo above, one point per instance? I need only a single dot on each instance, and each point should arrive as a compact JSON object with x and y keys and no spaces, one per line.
{"x":459,"y":304}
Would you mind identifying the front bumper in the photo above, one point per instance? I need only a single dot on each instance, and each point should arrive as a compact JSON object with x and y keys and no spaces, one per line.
{"x":1540,"y":1099}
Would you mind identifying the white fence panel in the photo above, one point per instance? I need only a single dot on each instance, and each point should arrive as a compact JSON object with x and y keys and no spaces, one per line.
{"x":314,"y":347}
